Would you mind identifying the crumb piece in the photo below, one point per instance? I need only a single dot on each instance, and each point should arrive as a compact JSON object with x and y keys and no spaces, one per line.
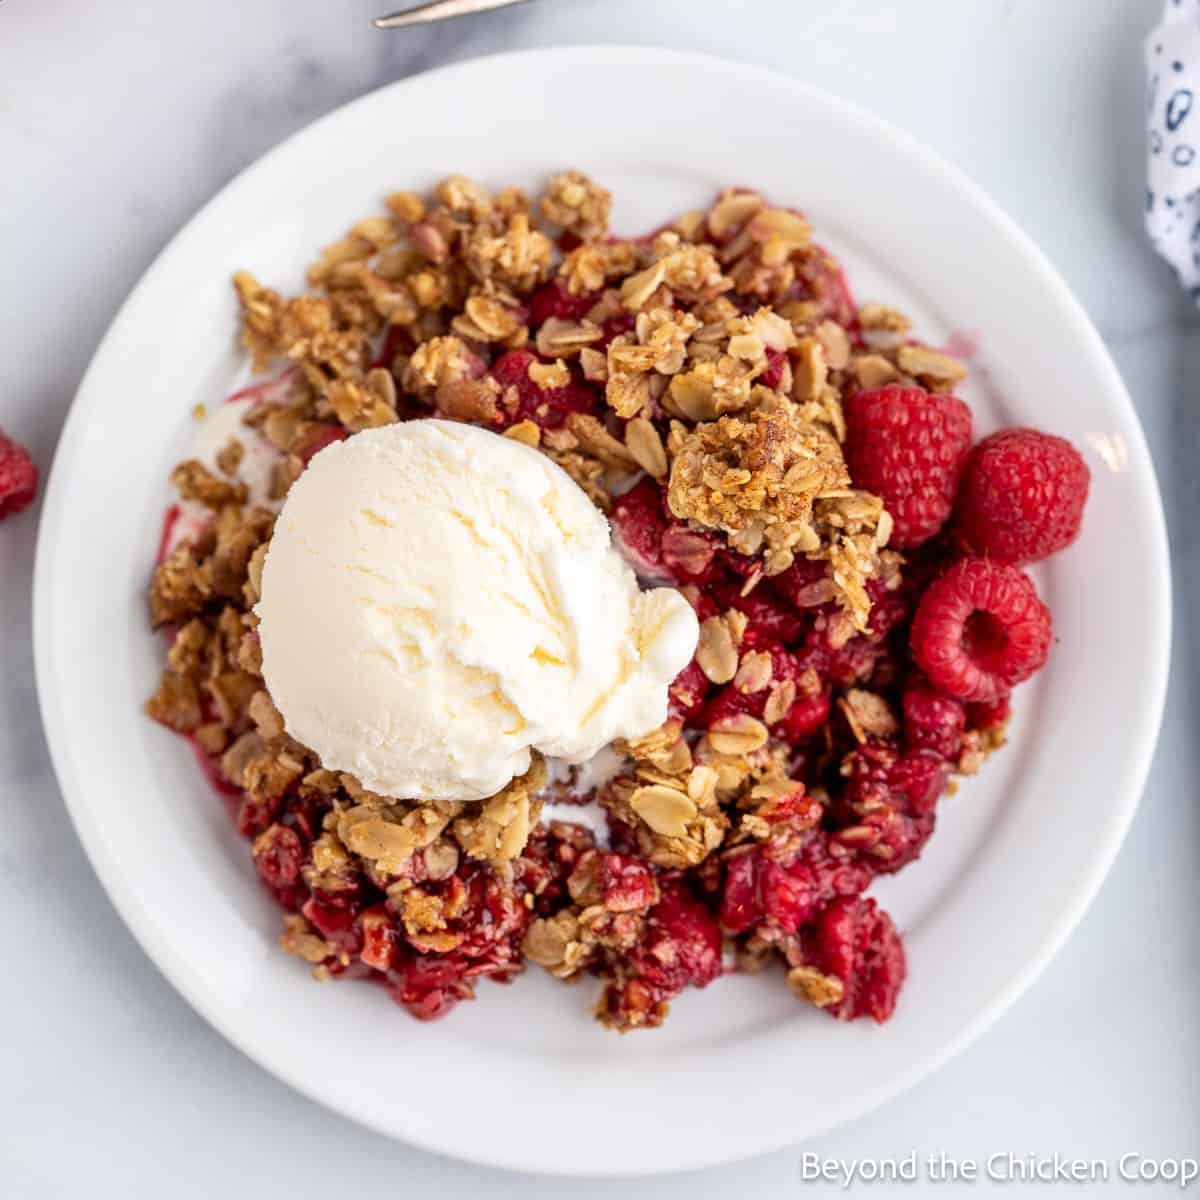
{"x":580,"y":206}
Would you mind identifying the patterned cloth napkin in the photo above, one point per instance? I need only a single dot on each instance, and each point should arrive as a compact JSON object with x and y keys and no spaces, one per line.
{"x":1173,"y":191}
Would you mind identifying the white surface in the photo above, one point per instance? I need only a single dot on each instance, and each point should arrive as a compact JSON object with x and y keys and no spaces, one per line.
{"x":973,"y":944}
{"x":438,"y":600}
{"x":1038,"y":102}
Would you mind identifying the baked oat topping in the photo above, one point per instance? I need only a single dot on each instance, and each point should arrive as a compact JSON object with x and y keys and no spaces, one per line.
{"x":578,"y":205}
{"x":695,"y":384}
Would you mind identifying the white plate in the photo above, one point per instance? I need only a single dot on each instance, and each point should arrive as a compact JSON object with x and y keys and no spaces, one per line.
{"x":522,"y":1077}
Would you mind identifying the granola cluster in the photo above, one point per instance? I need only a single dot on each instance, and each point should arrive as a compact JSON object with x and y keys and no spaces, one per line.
{"x":723,"y":346}
{"x":692,"y":382}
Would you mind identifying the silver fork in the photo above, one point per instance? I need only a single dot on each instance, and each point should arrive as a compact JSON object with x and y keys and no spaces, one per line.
{"x":440,"y":10}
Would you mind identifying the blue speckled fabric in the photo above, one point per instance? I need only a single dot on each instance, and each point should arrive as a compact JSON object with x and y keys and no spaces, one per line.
{"x":1173,"y":130}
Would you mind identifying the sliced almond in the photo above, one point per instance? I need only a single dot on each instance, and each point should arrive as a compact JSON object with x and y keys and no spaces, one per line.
{"x":717,"y":652}
{"x":754,"y":672}
{"x":646,"y":445}
{"x":868,"y":715}
{"x":265,"y":715}
{"x":526,"y":432}
{"x":493,"y":319}
{"x":836,"y":343}
{"x":557,"y":338}
{"x":408,"y":206}
{"x":549,"y":375}
{"x":300,"y":939}
{"x":809,"y":370}
{"x":546,"y":940}
{"x":930,"y":365}
{"x":672,"y":760}
{"x":690,"y":225}
{"x":691,"y":392}
{"x":596,"y":441}
{"x":741,"y":734}
{"x":664,"y":809}
{"x":883,"y":530}
{"x":594,"y":364}
{"x":702,"y":786}
{"x":873,"y":370}
{"x":779,"y":702}
{"x":732,"y":211}
{"x":883,"y":317}
{"x":371,"y":836}
{"x":637,"y":289}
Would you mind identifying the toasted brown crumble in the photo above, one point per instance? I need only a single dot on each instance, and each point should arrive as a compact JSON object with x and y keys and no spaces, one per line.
{"x":723,"y":368}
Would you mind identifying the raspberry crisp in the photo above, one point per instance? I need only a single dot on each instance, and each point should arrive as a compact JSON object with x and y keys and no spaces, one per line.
{"x":797,"y":464}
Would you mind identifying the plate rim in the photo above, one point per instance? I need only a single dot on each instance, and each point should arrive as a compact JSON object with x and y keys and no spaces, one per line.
{"x":1142,"y":745}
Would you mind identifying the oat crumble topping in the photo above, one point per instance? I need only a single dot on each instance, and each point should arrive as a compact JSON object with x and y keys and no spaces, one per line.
{"x":711,"y":359}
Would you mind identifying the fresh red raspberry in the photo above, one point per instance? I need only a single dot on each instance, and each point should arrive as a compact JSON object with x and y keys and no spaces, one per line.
{"x":18,"y":477}
{"x":908,"y":446}
{"x":932,"y":720}
{"x":980,"y":629}
{"x":856,"y":943}
{"x":547,"y":407}
{"x":989,"y":714}
{"x":1022,"y":496}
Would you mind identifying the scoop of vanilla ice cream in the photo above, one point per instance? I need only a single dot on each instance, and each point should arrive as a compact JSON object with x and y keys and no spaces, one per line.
{"x":438,"y":600}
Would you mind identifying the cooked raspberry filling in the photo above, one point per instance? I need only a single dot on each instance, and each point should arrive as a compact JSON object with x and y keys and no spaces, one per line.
{"x":792,"y":461}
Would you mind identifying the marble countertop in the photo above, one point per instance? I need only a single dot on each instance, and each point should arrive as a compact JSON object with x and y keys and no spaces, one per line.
{"x":118,"y":119}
